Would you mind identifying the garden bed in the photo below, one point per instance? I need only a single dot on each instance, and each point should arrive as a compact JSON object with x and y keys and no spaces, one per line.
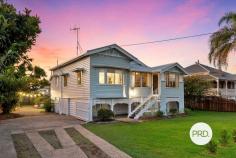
{"x":51,"y":137}
{"x":91,"y":150}
{"x":24,"y":147}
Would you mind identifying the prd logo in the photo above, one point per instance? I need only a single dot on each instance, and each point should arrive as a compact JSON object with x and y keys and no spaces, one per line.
{"x":200,"y":133}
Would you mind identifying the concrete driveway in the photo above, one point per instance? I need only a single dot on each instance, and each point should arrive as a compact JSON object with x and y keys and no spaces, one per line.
{"x":29,"y":123}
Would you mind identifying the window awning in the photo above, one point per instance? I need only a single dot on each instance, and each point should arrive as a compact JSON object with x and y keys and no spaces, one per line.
{"x":78,"y":69}
{"x":65,"y":74}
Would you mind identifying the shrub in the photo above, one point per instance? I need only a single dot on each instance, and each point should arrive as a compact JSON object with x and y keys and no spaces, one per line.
{"x":9,"y":102}
{"x":234,"y":135}
{"x":196,"y":85}
{"x":160,"y":114}
{"x":48,"y":105}
{"x":187,"y":111}
{"x":224,"y":138}
{"x":212,"y":146}
{"x":105,"y":114}
{"x":173,"y":111}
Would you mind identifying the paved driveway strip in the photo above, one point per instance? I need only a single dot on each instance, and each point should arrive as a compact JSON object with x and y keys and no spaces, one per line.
{"x":27,"y":124}
{"x":42,"y":146}
{"x":31,"y":126}
{"x":65,"y":139}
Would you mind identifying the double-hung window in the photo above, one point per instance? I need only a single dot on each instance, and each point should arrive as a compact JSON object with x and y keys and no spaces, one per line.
{"x":172,"y":79}
{"x":140,"y":79}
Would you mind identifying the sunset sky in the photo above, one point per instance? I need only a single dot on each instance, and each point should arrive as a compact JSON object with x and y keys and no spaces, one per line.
{"x":104,"y":22}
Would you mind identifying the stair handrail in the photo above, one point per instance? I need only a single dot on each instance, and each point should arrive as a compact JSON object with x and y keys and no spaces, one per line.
{"x":145,"y":108}
{"x":140,"y":105}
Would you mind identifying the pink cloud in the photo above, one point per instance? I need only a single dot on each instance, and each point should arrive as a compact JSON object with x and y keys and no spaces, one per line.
{"x":124,"y":22}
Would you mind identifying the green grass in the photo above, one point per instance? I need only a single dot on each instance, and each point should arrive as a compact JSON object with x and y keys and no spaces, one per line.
{"x":167,"y":138}
{"x":91,"y":150}
{"x":24,"y":147}
{"x":51,"y":137}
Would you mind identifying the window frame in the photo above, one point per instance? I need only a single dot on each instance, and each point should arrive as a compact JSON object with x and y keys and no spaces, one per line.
{"x":79,"y":82}
{"x":113,"y":72}
{"x":141,"y":79}
{"x":65,"y":80}
{"x":169,"y":84}
{"x":56,"y":81}
{"x":230,"y":85}
{"x":104,"y":77}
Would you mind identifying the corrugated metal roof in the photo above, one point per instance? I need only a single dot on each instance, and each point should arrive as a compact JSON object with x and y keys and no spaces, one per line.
{"x":199,"y":68}
{"x":162,"y":67}
{"x":195,"y":69}
{"x":166,"y":67}
{"x":137,"y":67}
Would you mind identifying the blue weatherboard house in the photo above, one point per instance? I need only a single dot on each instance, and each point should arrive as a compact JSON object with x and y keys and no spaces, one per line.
{"x":110,"y":77}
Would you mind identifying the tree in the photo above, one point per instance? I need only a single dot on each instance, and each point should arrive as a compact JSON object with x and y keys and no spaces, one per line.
{"x":195,"y":86}
{"x":223,"y":41}
{"x":10,"y":83}
{"x":35,"y":79}
{"x":18,"y":32}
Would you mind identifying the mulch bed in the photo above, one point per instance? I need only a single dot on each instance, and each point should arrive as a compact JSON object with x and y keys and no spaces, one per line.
{"x":163,"y":117}
{"x":9,"y":116}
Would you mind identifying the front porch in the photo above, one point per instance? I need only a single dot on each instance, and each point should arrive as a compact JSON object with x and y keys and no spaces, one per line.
{"x":224,"y":88}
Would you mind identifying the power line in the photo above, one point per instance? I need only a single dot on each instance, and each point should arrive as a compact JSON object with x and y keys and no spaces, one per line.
{"x":166,"y":40}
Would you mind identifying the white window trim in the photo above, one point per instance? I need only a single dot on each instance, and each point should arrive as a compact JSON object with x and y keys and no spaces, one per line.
{"x":141,"y":80}
{"x":176,"y":82}
{"x":105,"y":76}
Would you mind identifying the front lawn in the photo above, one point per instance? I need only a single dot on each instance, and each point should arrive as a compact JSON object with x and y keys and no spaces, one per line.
{"x":167,"y":138}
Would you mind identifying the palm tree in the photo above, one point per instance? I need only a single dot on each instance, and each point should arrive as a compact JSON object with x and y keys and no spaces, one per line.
{"x":223,"y":41}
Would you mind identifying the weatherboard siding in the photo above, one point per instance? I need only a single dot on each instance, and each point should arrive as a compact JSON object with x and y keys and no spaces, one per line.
{"x":105,"y":61}
{"x":73,"y":89}
{"x":169,"y":94}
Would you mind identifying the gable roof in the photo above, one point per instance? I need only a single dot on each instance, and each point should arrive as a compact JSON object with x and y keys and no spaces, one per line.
{"x":98,"y":50}
{"x":135,"y":64}
{"x":216,"y":73}
{"x":196,"y":68}
{"x":166,"y":67}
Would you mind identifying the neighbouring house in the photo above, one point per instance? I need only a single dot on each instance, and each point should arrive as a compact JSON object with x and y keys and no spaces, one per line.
{"x":110,"y":77}
{"x":223,"y":83}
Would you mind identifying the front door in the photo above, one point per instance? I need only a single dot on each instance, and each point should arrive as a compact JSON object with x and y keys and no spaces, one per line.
{"x":155,"y":83}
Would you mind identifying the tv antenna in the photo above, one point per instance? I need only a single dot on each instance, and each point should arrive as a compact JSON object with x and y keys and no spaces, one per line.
{"x":78,"y":46}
